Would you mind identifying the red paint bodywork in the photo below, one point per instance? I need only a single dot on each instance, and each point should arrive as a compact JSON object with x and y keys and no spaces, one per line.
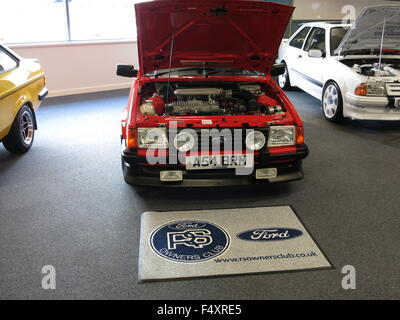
{"x":136,"y":119}
{"x":246,"y":41}
{"x":237,"y":33}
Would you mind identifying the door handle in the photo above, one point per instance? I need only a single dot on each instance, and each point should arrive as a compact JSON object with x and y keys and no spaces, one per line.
{"x":299,"y":57}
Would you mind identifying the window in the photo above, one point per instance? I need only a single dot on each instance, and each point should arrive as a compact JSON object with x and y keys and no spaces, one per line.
{"x":6,"y":62}
{"x":298,"y":40}
{"x":102,"y":19}
{"x":316,"y":40}
{"x":337,"y":35}
{"x":30,"y":21}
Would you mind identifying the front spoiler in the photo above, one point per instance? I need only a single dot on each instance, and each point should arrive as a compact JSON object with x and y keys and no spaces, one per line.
{"x":135,"y":178}
{"x":136,"y":174}
{"x":370,"y":108}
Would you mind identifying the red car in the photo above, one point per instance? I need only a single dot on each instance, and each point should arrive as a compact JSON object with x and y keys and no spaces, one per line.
{"x":204,"y":109}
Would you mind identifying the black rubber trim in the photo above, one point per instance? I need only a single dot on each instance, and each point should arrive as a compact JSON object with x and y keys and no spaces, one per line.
{"x":209,"y":178}
{"x":302,"y":152}
{"x":309,"y":79}
{"x":43,"y":94}
{"x":149,"y":176}
{"x":391,"y":104}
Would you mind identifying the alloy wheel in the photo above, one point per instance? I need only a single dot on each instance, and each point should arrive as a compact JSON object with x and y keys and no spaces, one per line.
{"x":26,"y":127}
{"x":331,"y":101}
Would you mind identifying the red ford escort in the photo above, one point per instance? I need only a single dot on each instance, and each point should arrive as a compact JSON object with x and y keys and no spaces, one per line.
{"x":204,"y":109}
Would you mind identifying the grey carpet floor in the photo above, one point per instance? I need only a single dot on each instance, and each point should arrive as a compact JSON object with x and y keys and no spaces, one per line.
{"x":65,"y":204}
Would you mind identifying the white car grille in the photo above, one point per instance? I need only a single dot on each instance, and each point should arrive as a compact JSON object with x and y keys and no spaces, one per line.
{"x":393,"y":89}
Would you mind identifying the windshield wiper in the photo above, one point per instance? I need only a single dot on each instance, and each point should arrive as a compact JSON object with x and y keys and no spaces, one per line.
{"x":374,"y":51}
{"x":204,"y":69}
{"x":233,"y":71}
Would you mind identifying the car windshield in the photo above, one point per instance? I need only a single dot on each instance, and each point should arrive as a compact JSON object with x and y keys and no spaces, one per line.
{"x":204,"y":71}
{"x":337,"y":35}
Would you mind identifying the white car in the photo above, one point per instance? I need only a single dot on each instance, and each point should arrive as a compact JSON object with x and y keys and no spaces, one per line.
{"x":353,"y":69}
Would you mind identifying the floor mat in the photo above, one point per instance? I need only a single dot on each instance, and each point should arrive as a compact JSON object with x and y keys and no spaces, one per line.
{"x":206,"y":243}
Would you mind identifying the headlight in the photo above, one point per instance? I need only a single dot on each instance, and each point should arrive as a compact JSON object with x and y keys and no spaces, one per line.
{"x":371,"y":89}
{"x":255,"y":140}
{"x":152,"y":138}
{"x":184,"y":142}
{"x":376,"y":89}
{"x":282,"y":136}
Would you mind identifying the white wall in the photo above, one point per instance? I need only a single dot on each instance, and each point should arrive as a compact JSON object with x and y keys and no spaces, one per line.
{"x":330,"y":9}
{"x":73,"y":68}
{"x":82,"y":67}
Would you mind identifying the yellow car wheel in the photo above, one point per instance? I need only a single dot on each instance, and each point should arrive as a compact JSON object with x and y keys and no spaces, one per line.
{"x":22,"y":133}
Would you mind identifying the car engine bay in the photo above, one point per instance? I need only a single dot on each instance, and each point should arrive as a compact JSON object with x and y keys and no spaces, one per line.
{"x":371,"y":67}
{"x":208,"y":98}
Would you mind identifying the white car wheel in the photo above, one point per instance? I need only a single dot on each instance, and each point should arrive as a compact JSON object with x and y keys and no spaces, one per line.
{"x":332,"y":102}
{"x":284,"y":80}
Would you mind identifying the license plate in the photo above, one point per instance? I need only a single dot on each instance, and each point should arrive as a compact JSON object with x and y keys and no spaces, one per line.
{"x":231,"y":161}
{"x":397,"y":103}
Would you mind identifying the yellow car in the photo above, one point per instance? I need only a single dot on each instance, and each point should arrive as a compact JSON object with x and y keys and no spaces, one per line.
{"x":22,"y":88}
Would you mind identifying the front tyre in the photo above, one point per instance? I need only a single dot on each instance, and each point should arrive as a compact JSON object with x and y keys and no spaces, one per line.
{"x":22,"y":133}
{"x":284,"y":80}
{"x":332,"y":102}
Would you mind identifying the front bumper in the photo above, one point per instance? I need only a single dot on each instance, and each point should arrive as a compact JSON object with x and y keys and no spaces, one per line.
{"x":289,"y":168}
{"x":370,"y":108}
{"x":43,"y":94}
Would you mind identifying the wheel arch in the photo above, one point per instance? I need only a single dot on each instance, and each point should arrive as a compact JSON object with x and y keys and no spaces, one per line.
{"x":24,"y":101}
{"x":339,"y":83}
{"x":30,"y":106}
{"x":337,"y":116}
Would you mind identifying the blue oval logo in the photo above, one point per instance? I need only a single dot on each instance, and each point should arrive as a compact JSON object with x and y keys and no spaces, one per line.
{"x":189,"y":241}
{"x":270,"y":234}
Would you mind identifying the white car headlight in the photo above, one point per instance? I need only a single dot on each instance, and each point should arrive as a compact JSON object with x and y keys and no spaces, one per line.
{"x":255,"y":140}
{"x":282,"y":136}
{"x":376,"y":89}
{"x":184,"y":141}
{"x":152,"y":138}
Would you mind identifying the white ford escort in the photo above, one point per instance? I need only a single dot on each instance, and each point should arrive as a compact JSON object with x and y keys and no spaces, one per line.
{"x":353,"y":69}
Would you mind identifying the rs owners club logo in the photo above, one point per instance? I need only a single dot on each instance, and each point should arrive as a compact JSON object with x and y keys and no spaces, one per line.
{"x":189,"y":241}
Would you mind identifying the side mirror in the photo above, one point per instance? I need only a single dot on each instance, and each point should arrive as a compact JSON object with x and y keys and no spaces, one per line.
{"x":315,"y":53}
{"x":126,"y":70}
{"x":278,"y":69}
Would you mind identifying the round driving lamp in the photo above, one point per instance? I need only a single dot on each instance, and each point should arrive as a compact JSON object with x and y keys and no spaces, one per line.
{"x":184,"y":142}
{"x":255,"y":140}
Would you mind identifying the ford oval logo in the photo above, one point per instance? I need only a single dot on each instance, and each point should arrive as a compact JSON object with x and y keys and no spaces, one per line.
{"x":186,"y":225}
{"x":269,"y":234}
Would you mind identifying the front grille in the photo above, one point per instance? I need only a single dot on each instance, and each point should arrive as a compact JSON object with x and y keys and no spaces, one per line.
{"x":393,"y":89}
{"x":222,"y":139}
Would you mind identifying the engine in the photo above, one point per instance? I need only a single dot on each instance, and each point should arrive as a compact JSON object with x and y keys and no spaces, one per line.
{"x":193,"y":106}
{"x":373,"y":70}
{"x":202,"y":101}
{"x":190,"y":99}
